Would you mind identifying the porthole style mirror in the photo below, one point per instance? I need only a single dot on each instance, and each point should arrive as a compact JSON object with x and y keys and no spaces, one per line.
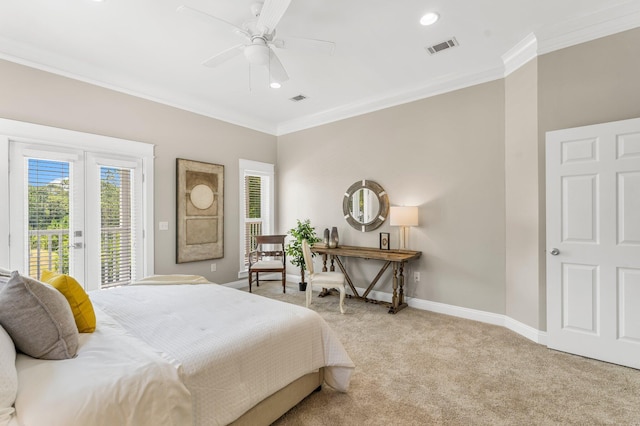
{"x":365,"y":205}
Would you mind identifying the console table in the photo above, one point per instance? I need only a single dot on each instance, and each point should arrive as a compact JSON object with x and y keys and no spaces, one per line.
{"x":397,"y":258}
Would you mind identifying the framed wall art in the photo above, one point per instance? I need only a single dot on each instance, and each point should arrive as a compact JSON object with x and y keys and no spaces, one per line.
{"x":200,"y":211}
{"x":384,"y":241}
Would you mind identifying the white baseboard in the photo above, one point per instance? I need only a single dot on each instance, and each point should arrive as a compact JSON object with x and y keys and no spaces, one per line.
{"x":522,"y":329}
{"x":525,"y":330}
{"x":456,"y":311}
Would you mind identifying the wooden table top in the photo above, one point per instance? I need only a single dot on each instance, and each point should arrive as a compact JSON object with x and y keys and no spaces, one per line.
{"x":367,"y":252}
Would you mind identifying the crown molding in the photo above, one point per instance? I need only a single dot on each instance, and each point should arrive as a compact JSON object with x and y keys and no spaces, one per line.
{"x":589,"y":27}
{"x":22,"y":53}
{"x":569,"y":33}
{"x":446,"y":84}
{"x":520,"y":54}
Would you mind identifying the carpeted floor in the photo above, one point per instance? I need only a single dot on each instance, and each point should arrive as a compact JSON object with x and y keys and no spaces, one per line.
{"x":422,"y":368}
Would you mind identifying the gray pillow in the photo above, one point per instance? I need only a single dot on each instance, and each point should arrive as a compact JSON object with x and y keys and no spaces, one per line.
{"x":38,"y":318}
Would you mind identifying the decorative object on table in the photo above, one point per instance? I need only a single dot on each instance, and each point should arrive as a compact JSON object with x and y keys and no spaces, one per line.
{"x":404,"y":217}
{"x":384,"y":241}
{"x":365,"y":205}
{"x":200,"y":211}
{"x":334,"y":240}
{"x":302,"y":231}
{"x":325,"y":240}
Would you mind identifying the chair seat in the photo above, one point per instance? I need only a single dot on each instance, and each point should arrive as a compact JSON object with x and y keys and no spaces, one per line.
{"x":328,"y":278}
{"x":267,"y":264}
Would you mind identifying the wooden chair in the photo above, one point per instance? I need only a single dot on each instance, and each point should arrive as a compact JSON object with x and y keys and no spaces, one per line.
{"x":269,"y":256}
{"x":321,"y":279}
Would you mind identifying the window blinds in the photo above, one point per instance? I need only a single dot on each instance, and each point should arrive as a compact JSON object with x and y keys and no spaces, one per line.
{"x":117,"y":226}
{"x":48,"y":216}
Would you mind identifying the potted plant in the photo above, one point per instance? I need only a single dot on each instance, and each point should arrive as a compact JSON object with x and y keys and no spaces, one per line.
{"x":302,"y":231}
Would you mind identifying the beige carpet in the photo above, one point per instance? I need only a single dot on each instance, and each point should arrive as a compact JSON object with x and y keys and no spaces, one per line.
{"x":422,"y":368}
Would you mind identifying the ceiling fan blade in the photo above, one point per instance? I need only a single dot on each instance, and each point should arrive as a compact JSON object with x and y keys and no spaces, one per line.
{"x":305,"y":45}
{"x":224,"y":56}
{"x":278,"y":73}
{"x":201,"y":14}
{"x":271,"y":13}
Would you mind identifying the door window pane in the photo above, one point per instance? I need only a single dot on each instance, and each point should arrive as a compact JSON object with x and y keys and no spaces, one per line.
{"x":117,"y":227}
{"x":48,"y":216}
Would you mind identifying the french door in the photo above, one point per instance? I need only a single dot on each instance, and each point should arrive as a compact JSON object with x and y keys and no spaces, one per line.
{"x":75,"y":212}
{"x":47,"y":210}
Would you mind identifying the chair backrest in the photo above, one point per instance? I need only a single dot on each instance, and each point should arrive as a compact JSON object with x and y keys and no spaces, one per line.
{"x":277,"y":246}
{"x":308,"y":259}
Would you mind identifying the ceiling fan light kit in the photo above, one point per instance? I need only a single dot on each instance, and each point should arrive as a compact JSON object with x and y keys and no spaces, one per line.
{"x":257,"y":53}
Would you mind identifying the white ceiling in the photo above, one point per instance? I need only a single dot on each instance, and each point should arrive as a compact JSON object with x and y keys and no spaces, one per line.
{"x":146,"y":48}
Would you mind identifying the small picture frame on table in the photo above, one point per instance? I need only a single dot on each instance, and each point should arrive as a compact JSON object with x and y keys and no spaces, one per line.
{"x":384,"y":241}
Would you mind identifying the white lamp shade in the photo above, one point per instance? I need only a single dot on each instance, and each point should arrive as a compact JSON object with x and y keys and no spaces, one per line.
{"x":403,"y":216}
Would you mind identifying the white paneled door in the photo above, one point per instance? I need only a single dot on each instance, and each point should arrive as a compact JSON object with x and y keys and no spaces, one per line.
{"x":593,"y":241}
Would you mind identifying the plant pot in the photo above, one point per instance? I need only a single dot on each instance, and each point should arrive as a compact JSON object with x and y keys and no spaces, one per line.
{"x":302,"y":286}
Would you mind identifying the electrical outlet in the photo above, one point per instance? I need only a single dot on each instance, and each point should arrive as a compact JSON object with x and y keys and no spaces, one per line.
{"x":213,"y":267}
{"x":416,"y":277}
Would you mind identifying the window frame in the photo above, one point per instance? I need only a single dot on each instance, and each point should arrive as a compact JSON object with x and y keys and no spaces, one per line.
{"x":28,"y":133}
{"x":255,"y":168}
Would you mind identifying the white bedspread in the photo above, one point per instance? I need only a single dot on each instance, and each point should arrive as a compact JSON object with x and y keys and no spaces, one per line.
{"x":233,"y":348}
{"x":115,"y":380}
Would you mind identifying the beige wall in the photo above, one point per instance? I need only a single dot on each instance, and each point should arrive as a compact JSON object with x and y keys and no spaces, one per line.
{"x":444,"y":154}
{"x":43,"y":98}
{"x":521,"y":195}
{"x":594,"y":82}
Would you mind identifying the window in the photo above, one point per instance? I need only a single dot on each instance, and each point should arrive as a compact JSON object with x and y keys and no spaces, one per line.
{"x":79,"y":204}
{"x":256,"y":206}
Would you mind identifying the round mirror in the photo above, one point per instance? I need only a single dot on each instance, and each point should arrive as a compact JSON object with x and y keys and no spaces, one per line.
{"x":365,"y":205}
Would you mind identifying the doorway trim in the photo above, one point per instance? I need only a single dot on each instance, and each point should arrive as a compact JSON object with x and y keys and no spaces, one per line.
{"x":19,"y":131}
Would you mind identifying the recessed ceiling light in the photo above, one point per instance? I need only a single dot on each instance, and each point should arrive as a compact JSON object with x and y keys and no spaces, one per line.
{"x":429,"y":18}
{"x":275,"y":85}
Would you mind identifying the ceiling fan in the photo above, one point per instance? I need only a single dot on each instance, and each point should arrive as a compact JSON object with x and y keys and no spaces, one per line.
{"x":259,"y":33}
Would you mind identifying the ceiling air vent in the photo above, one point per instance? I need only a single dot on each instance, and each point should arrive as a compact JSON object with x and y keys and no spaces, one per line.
{"x":298,"y":98}
{"x":439,"y":47}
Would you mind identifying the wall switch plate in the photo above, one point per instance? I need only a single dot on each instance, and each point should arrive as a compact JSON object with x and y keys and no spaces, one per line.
{"x":213,"y":267}
{"x":163,"y":226}
{"x":416,"y":277}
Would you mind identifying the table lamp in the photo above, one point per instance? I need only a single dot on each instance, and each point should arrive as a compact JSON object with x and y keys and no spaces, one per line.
{"x":404,"y":217}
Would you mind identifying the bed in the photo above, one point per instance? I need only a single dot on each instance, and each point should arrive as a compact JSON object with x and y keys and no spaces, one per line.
{"x":168,"y":353}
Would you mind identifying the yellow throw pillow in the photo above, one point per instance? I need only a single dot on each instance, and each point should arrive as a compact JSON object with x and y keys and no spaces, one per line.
{"x":78,"y":299}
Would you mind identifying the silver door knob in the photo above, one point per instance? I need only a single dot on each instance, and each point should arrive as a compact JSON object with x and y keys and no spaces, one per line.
{"x":555,"y":252}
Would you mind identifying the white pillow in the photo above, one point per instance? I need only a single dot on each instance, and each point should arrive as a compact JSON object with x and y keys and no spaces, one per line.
{"x":8,"y":377}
